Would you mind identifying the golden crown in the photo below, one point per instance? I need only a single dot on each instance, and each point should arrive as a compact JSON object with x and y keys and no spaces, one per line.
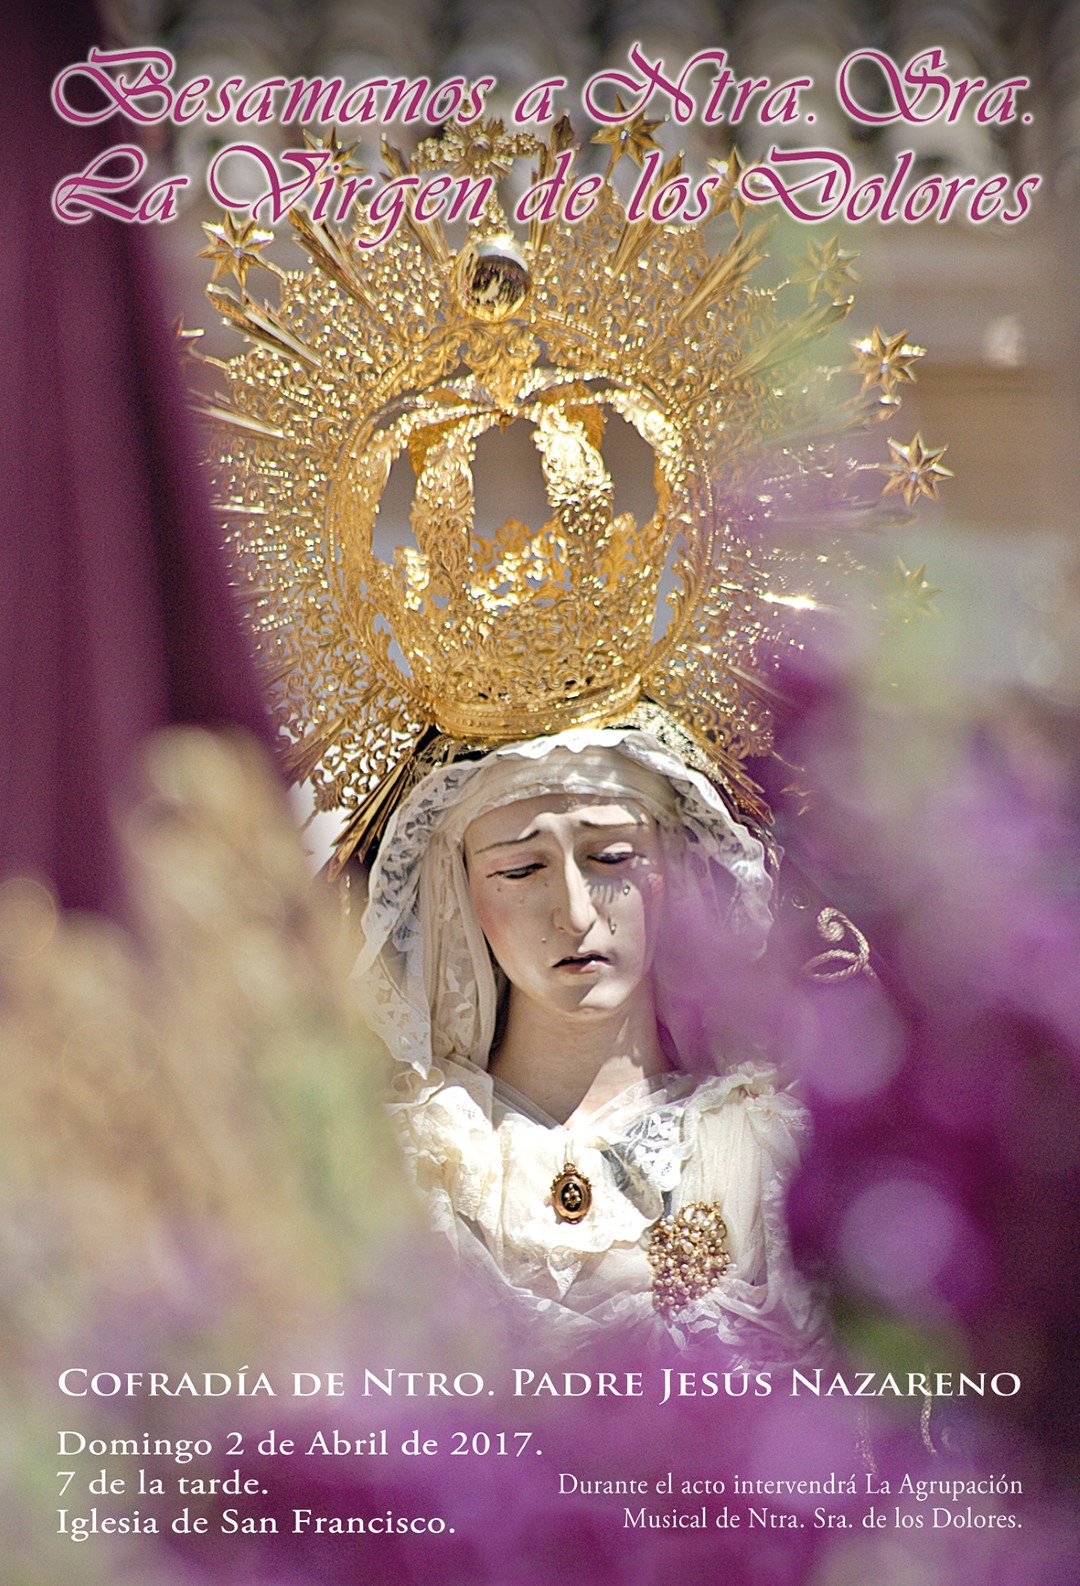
{"x":416,"y":349}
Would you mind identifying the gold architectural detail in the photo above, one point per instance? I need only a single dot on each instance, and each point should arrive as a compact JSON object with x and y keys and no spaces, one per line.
{"x":414,"y":355}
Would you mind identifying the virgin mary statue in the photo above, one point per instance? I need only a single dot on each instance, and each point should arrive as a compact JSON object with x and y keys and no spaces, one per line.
{"x":548,"y":936}
{"x":542,"y":734}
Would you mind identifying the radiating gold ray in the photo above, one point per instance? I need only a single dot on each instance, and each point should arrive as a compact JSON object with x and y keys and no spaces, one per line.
{"x":261,"y":325}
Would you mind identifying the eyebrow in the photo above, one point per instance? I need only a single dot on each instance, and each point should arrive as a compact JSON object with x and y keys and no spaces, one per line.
{"x":592,"y":826}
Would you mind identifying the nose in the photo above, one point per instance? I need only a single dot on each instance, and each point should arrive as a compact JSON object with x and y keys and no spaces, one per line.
{"x":574,"y":909}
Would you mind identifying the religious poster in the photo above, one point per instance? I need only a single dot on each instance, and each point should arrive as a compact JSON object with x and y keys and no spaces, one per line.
{"x":538,"y":826}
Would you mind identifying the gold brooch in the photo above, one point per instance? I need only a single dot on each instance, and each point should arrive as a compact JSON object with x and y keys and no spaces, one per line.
{"x":571,"y":1195}
{"x":688,"y":1254}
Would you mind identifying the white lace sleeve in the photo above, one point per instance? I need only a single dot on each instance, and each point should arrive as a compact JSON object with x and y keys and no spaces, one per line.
{"x":746,"y":1144}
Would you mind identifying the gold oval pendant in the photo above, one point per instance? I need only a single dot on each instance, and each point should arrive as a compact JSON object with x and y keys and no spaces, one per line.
{"x":571,"y":1195}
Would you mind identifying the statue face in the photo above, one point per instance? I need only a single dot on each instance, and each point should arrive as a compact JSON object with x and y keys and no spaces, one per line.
{"x":567,"y":890}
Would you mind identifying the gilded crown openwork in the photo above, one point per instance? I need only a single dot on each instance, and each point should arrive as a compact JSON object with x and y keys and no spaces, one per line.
{"x":411,"y":351}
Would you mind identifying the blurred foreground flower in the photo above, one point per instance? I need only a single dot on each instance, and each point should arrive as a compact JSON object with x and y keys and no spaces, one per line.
{"x":199,"y":1179}
{"x":940,"y":1194}
{"x":197,"y":1167}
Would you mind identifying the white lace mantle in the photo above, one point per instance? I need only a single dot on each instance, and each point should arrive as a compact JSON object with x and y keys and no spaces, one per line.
{"x":485,"y":1162}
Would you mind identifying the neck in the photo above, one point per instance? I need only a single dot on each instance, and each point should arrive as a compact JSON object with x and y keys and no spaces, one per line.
{"x":576,"y":1062}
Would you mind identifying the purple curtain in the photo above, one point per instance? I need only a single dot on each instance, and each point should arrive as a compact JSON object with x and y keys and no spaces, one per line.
{"x":115,"y":612}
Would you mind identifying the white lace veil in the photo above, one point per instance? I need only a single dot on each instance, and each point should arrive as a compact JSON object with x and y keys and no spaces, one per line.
{"x":426,"y":976}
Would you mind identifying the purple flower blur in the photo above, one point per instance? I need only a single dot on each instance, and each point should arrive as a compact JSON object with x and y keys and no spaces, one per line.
{"x":941,"y":1188}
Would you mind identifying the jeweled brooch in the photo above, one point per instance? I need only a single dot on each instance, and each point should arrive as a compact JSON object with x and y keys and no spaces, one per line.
{"x":688,"y":1254}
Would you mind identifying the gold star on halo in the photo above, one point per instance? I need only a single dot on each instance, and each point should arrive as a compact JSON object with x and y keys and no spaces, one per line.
{"x":802,"y":799}
{"x":910,"y":591}
{"x":633,"y":137}
{"x":341,"y":161}
{"x":885,"y":360}
{"x":726,"y":194}
{"x":915,"y":470}
{"x":188,"y":345}
{"x":186,"y":340}
{"x":234,"y":249}
{"x":827,"y":271}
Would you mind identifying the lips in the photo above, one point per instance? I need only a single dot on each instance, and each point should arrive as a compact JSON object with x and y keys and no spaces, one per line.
{"x":581,"y":960}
